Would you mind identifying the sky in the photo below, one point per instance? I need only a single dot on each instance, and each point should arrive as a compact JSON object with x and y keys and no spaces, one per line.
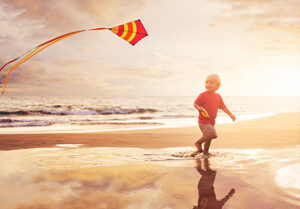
{"x":254,"y":45}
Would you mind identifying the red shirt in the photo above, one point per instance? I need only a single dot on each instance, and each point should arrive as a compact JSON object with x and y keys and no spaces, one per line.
{"x":211,"y":102}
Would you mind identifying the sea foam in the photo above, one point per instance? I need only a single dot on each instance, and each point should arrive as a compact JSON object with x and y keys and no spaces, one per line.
{"x":288,"y":178}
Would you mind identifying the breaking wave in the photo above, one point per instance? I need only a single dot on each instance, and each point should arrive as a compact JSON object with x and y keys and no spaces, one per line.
{"x":88,"y":111}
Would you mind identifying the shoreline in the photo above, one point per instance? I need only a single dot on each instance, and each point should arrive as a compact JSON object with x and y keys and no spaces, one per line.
{"x":280,"y":130}
{"x":163,"y":123}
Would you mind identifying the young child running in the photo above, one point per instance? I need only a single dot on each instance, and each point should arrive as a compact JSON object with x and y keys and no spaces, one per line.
{"x":208,"y":104}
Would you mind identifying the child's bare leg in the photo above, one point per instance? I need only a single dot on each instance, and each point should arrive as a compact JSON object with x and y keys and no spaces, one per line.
{"x":206,"y":146}
{"x":198,"y":146}
{"x":198,"y":143}
{"x":210,"y":133}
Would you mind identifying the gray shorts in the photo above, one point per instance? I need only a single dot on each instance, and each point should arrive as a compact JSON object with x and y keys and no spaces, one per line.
{"x":208,"y":131}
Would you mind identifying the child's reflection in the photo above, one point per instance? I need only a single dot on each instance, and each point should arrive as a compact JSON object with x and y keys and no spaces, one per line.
{"x":206,"y":191}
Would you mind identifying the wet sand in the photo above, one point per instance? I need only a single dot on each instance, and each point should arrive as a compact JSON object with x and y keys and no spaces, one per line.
{"x":281,"y":130}
{"x":255,"y":164}
{"x":51,"y":178}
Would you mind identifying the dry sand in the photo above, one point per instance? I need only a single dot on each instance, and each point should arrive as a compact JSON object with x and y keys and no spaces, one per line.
{"x":278,"y":131}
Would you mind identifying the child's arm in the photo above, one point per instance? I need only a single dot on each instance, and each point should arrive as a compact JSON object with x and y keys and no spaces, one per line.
{"x":201,"y":109}
{"x":225,"y":109}
{"x":198,"y":107}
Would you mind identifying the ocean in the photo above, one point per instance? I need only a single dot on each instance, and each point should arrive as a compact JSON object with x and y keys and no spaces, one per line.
{"x":41,"y":114}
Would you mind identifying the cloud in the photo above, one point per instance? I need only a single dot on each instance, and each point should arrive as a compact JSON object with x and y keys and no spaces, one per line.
{"x":272,"y":25}
{"x":112,"y":9}
{"x":128,"y":186}
{"x":264,"y":14}
{"x":39,"y":76}
{"x":145,"y":72}
{"x":72,"y":63}
{"x":64,"y":15}
{"x":74,"y":75}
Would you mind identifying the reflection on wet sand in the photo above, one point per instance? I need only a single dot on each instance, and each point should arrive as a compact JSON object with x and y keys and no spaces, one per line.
{"x":206,"y":192}
{"x":131,"y":178}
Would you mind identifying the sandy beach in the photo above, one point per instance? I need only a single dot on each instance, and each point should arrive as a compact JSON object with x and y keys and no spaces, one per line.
{"x":278,"y":131}
{"x":254,"y":164}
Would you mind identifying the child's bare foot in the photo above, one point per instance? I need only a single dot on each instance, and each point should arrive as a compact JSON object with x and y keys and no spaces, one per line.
{"x":207,"y":154}
{"x":196,"y":153}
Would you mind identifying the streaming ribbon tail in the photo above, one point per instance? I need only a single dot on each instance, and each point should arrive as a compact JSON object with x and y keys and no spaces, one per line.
{"x":35,"y":51}
{"x":131,"y":32}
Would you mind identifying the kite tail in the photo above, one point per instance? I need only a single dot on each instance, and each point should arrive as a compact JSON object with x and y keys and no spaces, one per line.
{"x":33,"y":52}
{"x":131,"y":32}
{"x":8,"y":63}
{"x":2,"y":72}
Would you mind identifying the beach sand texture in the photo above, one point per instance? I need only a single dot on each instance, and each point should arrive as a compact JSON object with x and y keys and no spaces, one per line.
{"x":255,"y":164}
{"x":281,"y":130}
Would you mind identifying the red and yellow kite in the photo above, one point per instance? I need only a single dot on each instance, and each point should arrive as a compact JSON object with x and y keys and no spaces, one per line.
{"x":131,"y":32}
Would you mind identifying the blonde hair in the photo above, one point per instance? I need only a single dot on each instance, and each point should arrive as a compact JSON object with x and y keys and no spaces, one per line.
{"x":215,"y":77}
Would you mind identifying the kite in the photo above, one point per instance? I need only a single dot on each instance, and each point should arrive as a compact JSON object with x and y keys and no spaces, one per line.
{"x":131,"y":32}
